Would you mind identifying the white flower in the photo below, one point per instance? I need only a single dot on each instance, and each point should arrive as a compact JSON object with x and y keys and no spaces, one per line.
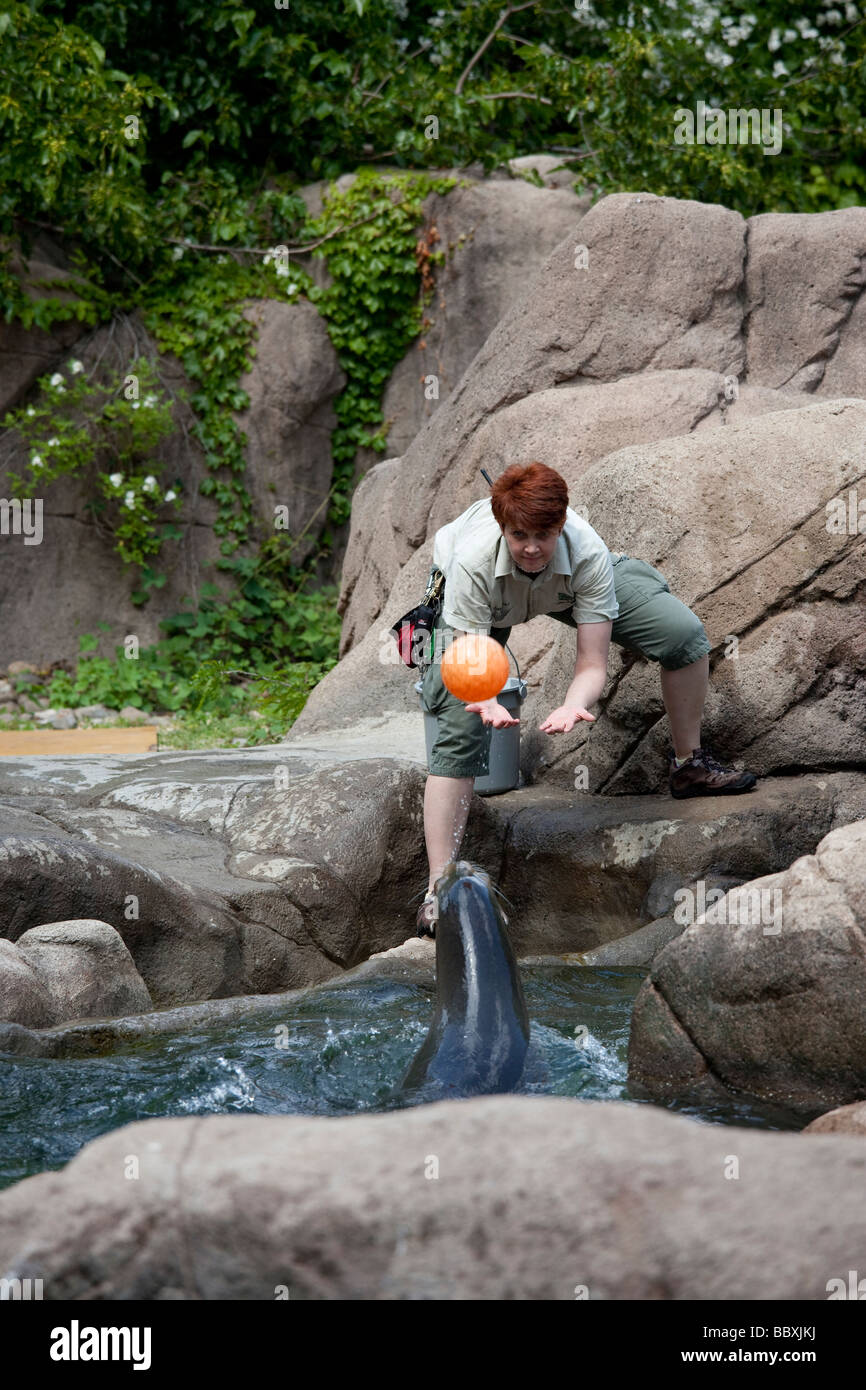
{"x":150,"y":401}
{"x":717,"y":56}
{"x":135,"y":404}
{"x":149,"y":483}
{"x":35,"y":461}
{"x":51,"y":443}
{"x":282,"y":269}
{"x":57,"y":380}
{"x":75,"y":367}
{"x":115,"y":479}
{"x":779,"y":69}
{"x":177,"y":253}
{"x":291,"y":289}
{"x":30,"y":410}
{"x":129,"y":499}
{"x":170,"y":496}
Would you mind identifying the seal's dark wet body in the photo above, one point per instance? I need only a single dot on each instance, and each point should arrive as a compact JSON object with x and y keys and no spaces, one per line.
{"x":479,"y":1036}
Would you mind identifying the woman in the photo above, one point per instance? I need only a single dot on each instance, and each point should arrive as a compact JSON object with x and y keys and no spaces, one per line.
{"x":523,"y":552}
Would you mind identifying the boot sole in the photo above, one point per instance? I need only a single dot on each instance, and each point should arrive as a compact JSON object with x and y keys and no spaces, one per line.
{"x":700,"y":790}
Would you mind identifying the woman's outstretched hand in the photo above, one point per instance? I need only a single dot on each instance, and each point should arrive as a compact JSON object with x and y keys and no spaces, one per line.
{"x":564,"y":719}
{"x":492,"y":713}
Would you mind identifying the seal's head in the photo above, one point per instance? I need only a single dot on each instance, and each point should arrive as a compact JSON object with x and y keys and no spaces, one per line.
{"x":461,"y":879}
{"x":479,"y":1035}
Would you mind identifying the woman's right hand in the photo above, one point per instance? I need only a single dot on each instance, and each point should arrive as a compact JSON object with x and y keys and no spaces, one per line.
{"x":492,"y":713}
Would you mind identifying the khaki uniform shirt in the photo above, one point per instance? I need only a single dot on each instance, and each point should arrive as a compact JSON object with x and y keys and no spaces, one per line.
{"x":484,"y":588}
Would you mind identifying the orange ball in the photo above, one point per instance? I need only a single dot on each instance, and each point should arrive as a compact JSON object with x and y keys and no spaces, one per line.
{"x":474,"y":667}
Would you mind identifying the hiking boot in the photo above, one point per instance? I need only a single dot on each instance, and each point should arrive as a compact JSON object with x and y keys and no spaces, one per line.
{"x":704,"y":775}
{"x":425,"y":922}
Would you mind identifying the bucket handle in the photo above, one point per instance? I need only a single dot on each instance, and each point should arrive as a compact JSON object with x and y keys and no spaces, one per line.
{"x":521,"y":683}
{"x":513,"y":658}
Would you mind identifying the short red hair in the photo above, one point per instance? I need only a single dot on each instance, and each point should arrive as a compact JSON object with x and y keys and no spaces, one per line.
{"x":530,"y":497}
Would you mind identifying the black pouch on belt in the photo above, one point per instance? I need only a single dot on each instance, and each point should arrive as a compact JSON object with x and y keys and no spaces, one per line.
{"x":413,"y":632}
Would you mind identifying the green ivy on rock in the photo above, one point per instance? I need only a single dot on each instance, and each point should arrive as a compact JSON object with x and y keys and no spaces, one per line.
{"x":373,"y":307}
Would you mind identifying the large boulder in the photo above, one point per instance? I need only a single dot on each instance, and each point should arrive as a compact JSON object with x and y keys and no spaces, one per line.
{"x":587,"y":871}
{"x":68,"y":970}
{"x":494,"y":1198}
{"x":86,"y":968}
{"x":494,"y":234}
{"x":186,"y":944}
{"x":24,"y":997}
{"x":291,"y":386}
{"x":805,"y":275}
{"x":765,"y":994}
{"x":846,"y":1119}
{"x":224,"y":875}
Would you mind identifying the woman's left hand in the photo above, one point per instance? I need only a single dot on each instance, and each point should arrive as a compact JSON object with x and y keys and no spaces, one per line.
{"x":564,"y":719}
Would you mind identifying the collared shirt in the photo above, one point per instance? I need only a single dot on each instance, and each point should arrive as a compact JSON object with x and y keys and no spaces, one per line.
{"x":484,"y":588}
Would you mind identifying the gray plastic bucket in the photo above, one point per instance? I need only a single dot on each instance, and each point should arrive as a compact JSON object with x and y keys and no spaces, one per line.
{"x":504,"y":764}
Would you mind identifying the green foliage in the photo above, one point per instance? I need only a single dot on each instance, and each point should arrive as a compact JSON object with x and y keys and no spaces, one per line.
{"x":176,"y":671}
{"x":269,"y":616}
{"x":626,"y":107}
{"x":372,"y":307}
{"x":279,"y":693}
{"x":116,"y":423}
{"x":193,"y":305}
{"x":150,"y":682}
{"x":324,"y":88}
{"x":73,"y":145}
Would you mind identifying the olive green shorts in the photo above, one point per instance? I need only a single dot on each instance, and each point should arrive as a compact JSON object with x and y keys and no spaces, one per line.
{"x":651,"y":621}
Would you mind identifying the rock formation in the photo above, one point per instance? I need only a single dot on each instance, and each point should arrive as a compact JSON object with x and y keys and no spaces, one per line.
{"x":68,"y":970}
{"x":765,"y":994}
{"x":536,"y":1198}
